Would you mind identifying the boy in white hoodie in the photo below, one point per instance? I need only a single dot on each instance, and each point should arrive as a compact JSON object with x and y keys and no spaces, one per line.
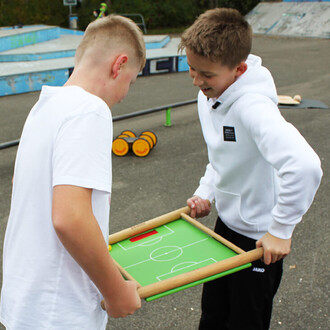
{"x":262,"y":174}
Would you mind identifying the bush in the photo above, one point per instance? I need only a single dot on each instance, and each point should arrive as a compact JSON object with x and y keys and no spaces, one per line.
{"x":27,"y":12}
{"x":157,"y":13}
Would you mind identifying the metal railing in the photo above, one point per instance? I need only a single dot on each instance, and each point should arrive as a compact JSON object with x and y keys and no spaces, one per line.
{"x":126,"y":116}
{"x":141,"y":24}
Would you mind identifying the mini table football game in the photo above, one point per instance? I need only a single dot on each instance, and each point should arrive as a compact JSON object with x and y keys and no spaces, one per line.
{"x":174,"y":252}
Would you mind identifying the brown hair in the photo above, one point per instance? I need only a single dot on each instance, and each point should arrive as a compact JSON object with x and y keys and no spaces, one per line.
{"x":111,"y":32}
{"x":220,"y":34}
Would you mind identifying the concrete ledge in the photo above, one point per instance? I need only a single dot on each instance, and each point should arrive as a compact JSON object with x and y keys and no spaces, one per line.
{"x":23,"y":77}
{"x":11,"y":39}
{"x":156,"y":41}
{"x":55,"y":64}
{"x":36,"y":55}
{"x":64,"y":46}
{"x":33,"y":81}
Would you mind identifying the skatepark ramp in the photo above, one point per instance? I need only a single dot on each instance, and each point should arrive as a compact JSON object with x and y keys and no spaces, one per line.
{"x":38,"y":55}
{"x":291,"y":18}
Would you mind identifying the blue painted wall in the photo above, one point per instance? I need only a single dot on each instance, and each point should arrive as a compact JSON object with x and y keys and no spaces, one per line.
{"x":28,"y":38}
{"x":31,"y":82}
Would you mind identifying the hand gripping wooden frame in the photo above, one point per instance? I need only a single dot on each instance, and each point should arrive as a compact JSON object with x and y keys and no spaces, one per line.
{"x":146,"y":291}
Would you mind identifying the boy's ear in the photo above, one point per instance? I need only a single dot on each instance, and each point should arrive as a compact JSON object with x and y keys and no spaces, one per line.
{"x":117,"y":65}
{"x":240,"y":69}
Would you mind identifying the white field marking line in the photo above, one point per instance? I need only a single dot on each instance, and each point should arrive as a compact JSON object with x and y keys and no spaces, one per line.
{"x":159,"y":257}
{"x":150,"y":259}
{"x":158,"y":239}
{"x":190,"y":264}
{"x":152,"y":241}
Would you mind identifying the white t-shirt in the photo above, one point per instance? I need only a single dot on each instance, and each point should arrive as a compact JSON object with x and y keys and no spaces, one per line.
{"x":66,"y":140}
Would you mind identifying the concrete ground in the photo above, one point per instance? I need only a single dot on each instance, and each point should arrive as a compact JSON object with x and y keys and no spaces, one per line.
{"x":144,"y":188}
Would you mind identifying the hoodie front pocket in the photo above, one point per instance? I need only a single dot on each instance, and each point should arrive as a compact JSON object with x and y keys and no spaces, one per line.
{"x":228,"y":206}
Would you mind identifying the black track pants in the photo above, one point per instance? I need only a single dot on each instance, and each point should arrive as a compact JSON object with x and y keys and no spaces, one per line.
{"x":243,"y":300}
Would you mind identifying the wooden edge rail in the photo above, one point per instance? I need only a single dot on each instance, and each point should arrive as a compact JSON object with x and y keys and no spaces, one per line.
{"x":147,"y":225}
{"x":200,"y":273}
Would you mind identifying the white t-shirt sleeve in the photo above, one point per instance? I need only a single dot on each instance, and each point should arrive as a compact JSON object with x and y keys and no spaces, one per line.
{"x":82,"y":153}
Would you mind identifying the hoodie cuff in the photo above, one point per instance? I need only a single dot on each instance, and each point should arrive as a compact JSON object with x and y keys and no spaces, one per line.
{"x":205,"y":193}
{"x":283,"y":231}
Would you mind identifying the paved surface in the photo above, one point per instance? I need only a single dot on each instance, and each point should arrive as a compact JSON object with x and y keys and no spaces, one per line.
{"x":161,"y":182}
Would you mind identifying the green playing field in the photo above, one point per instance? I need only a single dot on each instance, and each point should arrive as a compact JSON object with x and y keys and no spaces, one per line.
{"x":169,"y":250}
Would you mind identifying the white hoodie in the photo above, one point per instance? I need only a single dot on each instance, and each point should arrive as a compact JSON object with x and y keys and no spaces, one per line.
{"x":262,"y":173}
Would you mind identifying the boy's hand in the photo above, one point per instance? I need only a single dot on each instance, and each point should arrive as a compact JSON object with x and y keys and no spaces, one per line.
{"x":199,"y":207}
{"x":125,"y":302}
{"x":275,"y":248}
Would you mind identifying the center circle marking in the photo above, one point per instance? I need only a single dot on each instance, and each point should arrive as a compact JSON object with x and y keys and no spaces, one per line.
{"x":166,"y":253}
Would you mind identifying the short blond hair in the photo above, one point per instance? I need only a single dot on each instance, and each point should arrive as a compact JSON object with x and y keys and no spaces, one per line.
{"x":220,"y":34}
{"x":112,"y":31}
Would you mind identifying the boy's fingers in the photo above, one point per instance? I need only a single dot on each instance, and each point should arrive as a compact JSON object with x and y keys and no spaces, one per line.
{"x":191,"y":203}
{"x":198,"y":207}
{"x":267,"y":257}
{"x":193,"y":212}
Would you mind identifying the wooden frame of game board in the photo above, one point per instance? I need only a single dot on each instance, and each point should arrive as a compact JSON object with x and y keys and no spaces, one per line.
{"x":146,"y":291}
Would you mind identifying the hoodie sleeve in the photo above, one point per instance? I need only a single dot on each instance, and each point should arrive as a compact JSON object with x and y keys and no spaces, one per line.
{"x":297,"y":165}
{"x":206,"y":184}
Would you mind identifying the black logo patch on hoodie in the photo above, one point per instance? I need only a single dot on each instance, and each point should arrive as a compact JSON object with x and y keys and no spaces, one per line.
{"x":229,"y":133}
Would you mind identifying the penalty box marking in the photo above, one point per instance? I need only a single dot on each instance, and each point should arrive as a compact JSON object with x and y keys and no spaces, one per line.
{"x":185,"y":265}
{"x":128,"y":245}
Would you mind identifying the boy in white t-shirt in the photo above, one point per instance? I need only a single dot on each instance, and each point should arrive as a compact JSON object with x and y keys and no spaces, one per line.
{"x":56,"y":265}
